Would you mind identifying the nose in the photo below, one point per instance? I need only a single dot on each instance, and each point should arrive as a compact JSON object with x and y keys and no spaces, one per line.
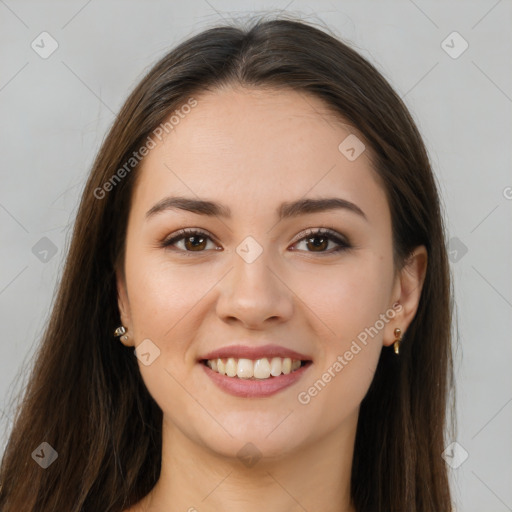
{"x":254,"y":294}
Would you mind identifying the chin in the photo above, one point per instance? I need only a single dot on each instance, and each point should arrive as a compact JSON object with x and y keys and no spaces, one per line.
{"x":256,"y":434}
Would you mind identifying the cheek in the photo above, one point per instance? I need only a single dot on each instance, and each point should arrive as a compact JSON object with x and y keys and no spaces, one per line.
{"x":163,"y":305}
{"x":162,"y":298}
{"x":352,"y":303}
{"x":336,"y":391}
{"x":348,"y":297}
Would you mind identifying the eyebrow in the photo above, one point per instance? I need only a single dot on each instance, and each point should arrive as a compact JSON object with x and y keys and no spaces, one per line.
{"x":284,"y":211}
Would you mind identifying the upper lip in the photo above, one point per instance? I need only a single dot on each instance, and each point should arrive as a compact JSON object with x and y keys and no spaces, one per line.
{"x":252,"y":352}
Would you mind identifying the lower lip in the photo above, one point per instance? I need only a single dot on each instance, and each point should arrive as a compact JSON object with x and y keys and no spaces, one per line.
{"x":248,"y":388}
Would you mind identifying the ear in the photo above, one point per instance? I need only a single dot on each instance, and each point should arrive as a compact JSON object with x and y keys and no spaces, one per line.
{"x":407,"y":292}
{"x":124,"y":307}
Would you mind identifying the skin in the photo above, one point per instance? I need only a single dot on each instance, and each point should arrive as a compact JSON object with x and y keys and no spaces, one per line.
{"x":251,"y":150}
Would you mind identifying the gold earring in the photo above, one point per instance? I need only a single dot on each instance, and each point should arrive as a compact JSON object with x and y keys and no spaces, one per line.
{"x":398,"y":336}
{"x":121,"y":331}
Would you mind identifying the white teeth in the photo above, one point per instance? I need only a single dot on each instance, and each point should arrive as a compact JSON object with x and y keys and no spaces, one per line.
{"x":262,"y":368}
{"x":244,"y":370}
{"x":275,"y":366}
{"x":231,"y":367}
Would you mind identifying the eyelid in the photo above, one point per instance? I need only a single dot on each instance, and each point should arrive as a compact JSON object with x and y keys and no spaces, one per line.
{"x":182,"y":233}
{"x":321,"y":230}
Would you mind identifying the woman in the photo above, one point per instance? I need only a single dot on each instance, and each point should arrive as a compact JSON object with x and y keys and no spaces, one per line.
{"x":255,"y":309}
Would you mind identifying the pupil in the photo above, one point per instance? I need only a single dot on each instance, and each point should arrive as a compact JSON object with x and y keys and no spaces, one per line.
{"x":318,"y":238}
{"x":198,"y":244}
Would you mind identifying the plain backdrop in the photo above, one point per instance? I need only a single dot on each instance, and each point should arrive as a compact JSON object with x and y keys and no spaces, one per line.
{"x":55,"y":111}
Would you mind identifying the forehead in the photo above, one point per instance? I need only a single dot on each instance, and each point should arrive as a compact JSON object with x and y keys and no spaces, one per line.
{"x":252,"y":147}
{"x":285,"y":123}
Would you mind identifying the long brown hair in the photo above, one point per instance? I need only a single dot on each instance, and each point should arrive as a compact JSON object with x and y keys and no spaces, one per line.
{"x":85,"y":396}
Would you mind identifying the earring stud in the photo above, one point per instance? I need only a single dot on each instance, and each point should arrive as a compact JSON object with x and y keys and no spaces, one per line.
{"x":120,"y":331}
{"x":398,"y":336}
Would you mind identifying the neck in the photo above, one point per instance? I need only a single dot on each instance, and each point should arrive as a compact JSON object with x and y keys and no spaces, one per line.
{"x":195,"y":479}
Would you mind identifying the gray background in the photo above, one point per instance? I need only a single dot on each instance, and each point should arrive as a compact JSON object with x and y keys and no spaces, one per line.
{"x":54,"y":113}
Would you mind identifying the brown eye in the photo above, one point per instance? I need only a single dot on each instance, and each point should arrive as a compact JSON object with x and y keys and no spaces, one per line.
{"x":318,"y":241}
{"x":193,"y":240}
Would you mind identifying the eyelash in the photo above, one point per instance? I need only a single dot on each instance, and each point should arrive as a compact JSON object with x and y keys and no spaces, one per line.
{"x":328,"y":233}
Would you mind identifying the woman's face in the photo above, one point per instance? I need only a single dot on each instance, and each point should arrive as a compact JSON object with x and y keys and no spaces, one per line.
{"x":255,"y":284}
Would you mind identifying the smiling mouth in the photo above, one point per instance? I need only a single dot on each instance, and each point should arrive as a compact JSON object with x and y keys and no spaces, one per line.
{"x":257,"y":369}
